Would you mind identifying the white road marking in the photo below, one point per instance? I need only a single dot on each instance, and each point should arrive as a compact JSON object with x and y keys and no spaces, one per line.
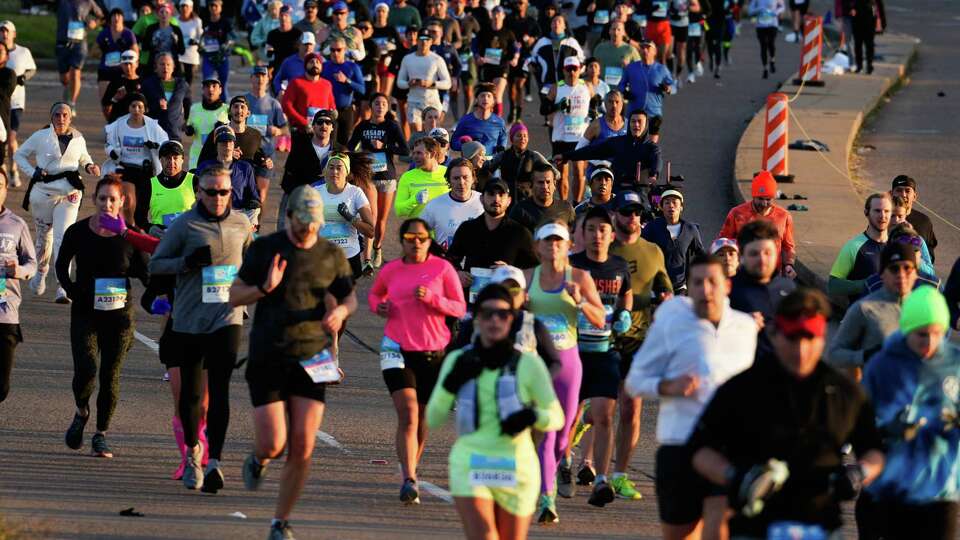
{"x":328,"y":440}
{"x":436,"y":491}
{"x":151,"y":344}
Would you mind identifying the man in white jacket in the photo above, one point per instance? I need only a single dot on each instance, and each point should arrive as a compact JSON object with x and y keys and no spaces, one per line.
{"x":695,"y":344}
{"x":60,"y":154}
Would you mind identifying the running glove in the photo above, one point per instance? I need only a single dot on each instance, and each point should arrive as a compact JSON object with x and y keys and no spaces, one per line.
{"x":518,"y":421}
{"x":750,"y":488}
{"x":151,"y":145}
{"x":115,"y":225}
{"x":38,"y":175}
{"x":199,"y":258}
{"x":114,"y":155}
{"x":160,"y":306}
{"x":468,"y":367}
{"x":623,"y":322}
{"x":846,"y":482}
{"x":189,"y":130}
{"x":344,"y":211}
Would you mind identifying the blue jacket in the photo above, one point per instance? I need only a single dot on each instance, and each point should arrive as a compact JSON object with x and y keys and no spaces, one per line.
{"x":291,"y":68}
{"x":643,"y":82}
{"x":903,"y":389}
{"x":491,"y":133}
{"x":343,"y":92}
{"x":173,"y":118}
{"x":677,"y":253}
{"x":623,"y":152}
{"x":243,"y":181}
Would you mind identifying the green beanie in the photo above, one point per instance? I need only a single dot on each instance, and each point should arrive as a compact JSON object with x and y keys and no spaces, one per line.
{"x":924,"y":306}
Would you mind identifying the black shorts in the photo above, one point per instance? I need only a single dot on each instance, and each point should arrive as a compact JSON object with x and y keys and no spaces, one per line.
{"x":679,"y":34}
{"x":270,"y":382}
{"x":601,"y":375}
{"x":356,"y":265}
{"x":628,"y":347}
{"x":171,"y":346}
{"x":802,"y":6}
{"x":653,"y":124}
{"x":560,"y":147}
{"x":680,"y":489}
{"x":489,"y":73}
{"x":107,"y":74}
{"x":420,"y":371}
{"x":16,"y":115}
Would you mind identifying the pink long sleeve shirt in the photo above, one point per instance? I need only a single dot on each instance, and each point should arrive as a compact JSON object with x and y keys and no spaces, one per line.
{"x":418,"y":324}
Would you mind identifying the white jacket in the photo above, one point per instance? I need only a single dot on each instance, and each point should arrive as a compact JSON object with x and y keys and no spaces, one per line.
{"x":155,"y":133}
{"x":767,"y":12}
{"x":44,"y":146}
{"x":680,"y":343}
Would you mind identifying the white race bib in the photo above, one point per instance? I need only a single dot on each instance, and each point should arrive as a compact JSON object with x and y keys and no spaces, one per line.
{"x":216,"y":283}
{"x":559,"y":331}
{"x":640,"y":19}
{"x":481,"y":276}
{"x":465,"y":59}
{"x":612,"y":75}
{"x":109,"y":294}
{"x":767,"y":18}
{"x":112,"y":59}
{"x":390,"y":357}
{"x":321,"y":368}
{"x":258,"y":122}
{"x":660,"y":9}
{"x":493,"y":56}
{"x":337,"y":233}
{"x":311,"y":112}
{"x":211,"y":45}
{"x":76,"y":31}
{"x":379,"y":162}
{"x":695,"y":30}
{"x":601,"y":16}
{"x":574,"y":125}
{"x":490,"y":471}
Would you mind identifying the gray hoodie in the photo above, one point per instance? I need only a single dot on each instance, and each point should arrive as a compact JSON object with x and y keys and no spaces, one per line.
{"x":15,"y":244}
{"x":198,"y":308}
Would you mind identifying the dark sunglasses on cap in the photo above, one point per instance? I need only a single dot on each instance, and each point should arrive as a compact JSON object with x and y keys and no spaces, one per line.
{"x":488,"y":313}
{"x":216,"y":192}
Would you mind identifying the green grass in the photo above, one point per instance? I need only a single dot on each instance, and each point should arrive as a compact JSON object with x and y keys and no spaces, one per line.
{"x":39,"y":32}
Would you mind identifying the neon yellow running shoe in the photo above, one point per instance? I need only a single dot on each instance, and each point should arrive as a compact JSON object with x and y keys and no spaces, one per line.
{"x":625,"y":488}
{"x":578,"y":431}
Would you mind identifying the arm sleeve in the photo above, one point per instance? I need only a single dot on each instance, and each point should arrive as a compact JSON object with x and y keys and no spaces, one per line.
{"x":398,"y":144}
{"x":926,"y":264}
{"x":26,"y":255}
{"x":536,"y":380}
{"x":22,"y":155}
{"x":356,"y":80}
{"x":442,"y":76}
{"x":459,"y":131}
{"x":403,"y":80}
{"x":844,"y":262}
{"x":378,"y":292}
{"x":441,"y":401}
{"x":846,"y":346}
{"x":406,"y":202}
{"x":451,"y":303}
{"x":142,"y":242}
{"x":649,"y":362}
{"x":167,"y":258}
{"x":601,"y":150}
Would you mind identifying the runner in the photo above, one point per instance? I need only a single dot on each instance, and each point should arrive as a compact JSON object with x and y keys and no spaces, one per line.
{"x":74,"y":19}
{"x":266,"y":116}
{"x":496,"y":50}
{"x":869,"y":18}
{"x":191,"y":26}
{"x":19,"y":263}
{"x":783,"y":469}
{"x":307,"y":95}
{"x":551,"y":51}
{"x":601,"y":362}
{"x":678,"y":239}
{"x":290,"y":361}
{"x":569,"y":103}
{"x":695,"y":42}
{"x":515,"y":164}
{"x":729,"y":252}
{"x":216,"y":44}
{"x":860,"y":256}
{"x":763,"y":189}
{"x":601,"y":192}
{"x":716,"y":22}
{"x":168,"y":96}
{"x":615,"y":54}
{"x":415,"y":294}
{"x":115,"y":101}
{"x":694,"y":346}
{"x":308,"y":157}
{"x":610,"y":124}
{"x":798,"y":10}
{"x":419,"y":186}
{"x":679,"y":15}
{"x":101,"y":317}
{"x":293,"y":66}
{"x":245,"y":197}
{"x":545,"y":205}
{"x":912,"y":383}
{"x":645,"y":83}
{"x":658,"y":29}
{"x":347,"y":81}
{"x":492,"y":466}
{"x":346,"y":211}
{"x":423,"y":73}
{"x":53,"y":196}
{"x":768,"y":14}
{"x":112,"y":41}
{"x":482,"y":125}
{"x":203,"y":248}
{"x":20,"y":60}
{"x":446,"y":213}
{"x":906,"y":187}
{"x":558,"y":294}
{"x":204,"y":116}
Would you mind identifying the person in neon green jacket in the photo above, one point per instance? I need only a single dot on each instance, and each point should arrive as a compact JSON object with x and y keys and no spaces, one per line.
{"x":502,"y":393}
{"x":419,"y":186}
{"x":205,"y":115}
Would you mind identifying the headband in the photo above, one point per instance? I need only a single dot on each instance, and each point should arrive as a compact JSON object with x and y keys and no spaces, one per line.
{"x":803,"y":325}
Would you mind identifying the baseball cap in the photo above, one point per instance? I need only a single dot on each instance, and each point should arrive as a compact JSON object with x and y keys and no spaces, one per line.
{"x":239,"y":99}
{"x":763,"y":185}
{"x":671,"y":193}
{"x":424,"y":34}
{"x":627,"y":198}
{"x":340,"y":6}
{"x":211,"y":79}
{"x":286,"y":9}
{"x":723,"y":243}
{"x":171,"y":148}
{"x":128,"y":57}
{"x":10,"y":26}
{"x":381,"y":5}
{"x":329,"y":115}
{"x":900,"y":181}
{"x":471,"y":149}
{"x":306,"y":205}
{"x":496,"y":183}
{"x":924,"y":306}
{"x":552,"y":229}
{"x":497,"y":8}
{"x":571,"y":61}
{"x":259,"y":70}
{"x":310,"y":3}
{"x":186,"y":3}
{"x":308,"y":37}
{"x":312,"y":56}
{"x":225,"y":134}
{"x":505,"y":272}
{"x":895,"y":252}
{"x":601,"y":171}
{"x":440,"y":135}
{"x":598,"y":212}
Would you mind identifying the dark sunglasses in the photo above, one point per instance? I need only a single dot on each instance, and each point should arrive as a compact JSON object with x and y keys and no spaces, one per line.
{"x":571,"y":68}
{"x":336,"y":50}
{"x":914,"y":241}
{"x":321,"y":122}
{"x":215,"y":192}
{"x":487,"y":314}
{"x":627,"y":212}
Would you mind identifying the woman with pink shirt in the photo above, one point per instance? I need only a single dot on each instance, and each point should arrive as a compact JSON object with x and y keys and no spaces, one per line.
{"x":416,"y":294}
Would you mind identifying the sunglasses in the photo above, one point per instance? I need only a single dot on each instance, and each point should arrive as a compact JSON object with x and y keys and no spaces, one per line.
{"x":487,"y":314}
{"x":336,"y":50}
{"x":216,"y":192}
{"x":914,"y":241}
{"x":571,"y":68}
{"x":627,"y":212}
{"x":322,"y":122}
{"x":415,"y":237}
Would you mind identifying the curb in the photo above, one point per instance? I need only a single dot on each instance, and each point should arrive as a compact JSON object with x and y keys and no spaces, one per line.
{"x":824,"y":114}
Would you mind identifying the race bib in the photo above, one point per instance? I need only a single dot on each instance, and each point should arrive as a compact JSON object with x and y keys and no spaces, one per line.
{"x":379,"y":162}
{"x":390,"y":357}
{"x":216,"y":283}
{"x":351,"y":18}
{"x":311,"y":111}
{"x":76,"y":31}
{"x":601,"y":16}
{"x":559,"y":331}
{"x":168,"y":218}
{"x":132,"y":142}
{"x":659,"y":9}
{"x":112,"y":59}
{"x":465,"y":59}
{"x":258,"y":122}
{"x":792,"y":530}
{"x":493,"y":56}
{"x":211,"y":45}
{"x":3,"y":290}
{"x":767,"y":18}
{"x":321,"y":368}
{"x":695,"y":30}
{"x":612,"y":75}
{"x":481,"y":276}
{"x":401,"y":29}
{"x":381,"y":43}
{"x":337,"y":233}
{"x":489,"y":471}
{"x":109,"y":294}
{"x":591,"y":338}
{"x":574,"y":125}
{"x":640,"y":19}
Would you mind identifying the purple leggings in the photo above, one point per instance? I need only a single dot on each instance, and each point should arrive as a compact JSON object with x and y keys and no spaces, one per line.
{"x":566,"y":383}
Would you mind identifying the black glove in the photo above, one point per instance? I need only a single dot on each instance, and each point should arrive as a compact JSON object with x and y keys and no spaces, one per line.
{"x":345,"y":212}
{"x":38,"y":175}
{"x":518,"y":421}
{"x":751,"y":487}
{"x":114,"y":155}
{"x":192,"y":42}
{"x":21,"y":80}
{"x":468,"y":367}
{"x":147,"y":165}
{"x":869,"y":353}
{"x":151,"y":145}
{"x":189,"y":131}
{"x":251,"y":204}
{"x":846,"y":482}
{"x":564,"y":105}
{"x":199,"y":258}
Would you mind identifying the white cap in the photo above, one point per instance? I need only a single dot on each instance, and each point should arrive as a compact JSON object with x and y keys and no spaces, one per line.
{"x":8,"y":25}
{"x":381,"y":5}
{"x":671,"y":193}
{"x":552,"y":229}
{"x":128,"y":57}
{"x":505,"y":272}
{"x":308,"y":37}
{"x":721,"y":243}
{"x":186,"y":3}
{"x":440,"y":133}
{"x":571,"y":61}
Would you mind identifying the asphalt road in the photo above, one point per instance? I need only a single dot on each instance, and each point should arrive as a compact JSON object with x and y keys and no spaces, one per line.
{"x":917,"y":132}
{"x":50,"y":489}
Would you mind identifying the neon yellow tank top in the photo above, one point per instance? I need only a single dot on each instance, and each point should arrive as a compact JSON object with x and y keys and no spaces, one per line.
{"x":168,"y":203}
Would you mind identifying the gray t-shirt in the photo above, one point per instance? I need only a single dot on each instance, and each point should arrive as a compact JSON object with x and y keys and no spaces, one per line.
{"x":15,"y":244}
{"x":264,"y":112}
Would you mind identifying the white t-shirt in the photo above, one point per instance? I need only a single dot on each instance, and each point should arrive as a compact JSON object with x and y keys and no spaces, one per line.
{"x":131,"y":140}
{"x":336,"y":229}
{"x":674,"y":230}
{"x":444,"y":215}
{"x":20,"y":61}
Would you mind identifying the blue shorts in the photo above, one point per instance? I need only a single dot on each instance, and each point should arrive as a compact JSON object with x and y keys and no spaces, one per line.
{"x":15,"y":117}
{"x":70,"y":55}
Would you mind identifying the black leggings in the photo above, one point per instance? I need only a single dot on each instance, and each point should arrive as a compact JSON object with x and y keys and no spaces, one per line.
{"x":217,"y":352}
{"x":864,"y":30}
{"x":890,"y":520}
{"x":345,"y":116}
{"x":10,"y":337}
{"x":715,"y":46}
{"x":768,"y":44}
{"x":693,"y":52}
{"x":105,"y":336}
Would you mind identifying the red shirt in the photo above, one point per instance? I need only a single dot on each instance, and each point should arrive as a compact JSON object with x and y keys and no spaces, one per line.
{"x":303,"y":98}
{"x":742,"y":214}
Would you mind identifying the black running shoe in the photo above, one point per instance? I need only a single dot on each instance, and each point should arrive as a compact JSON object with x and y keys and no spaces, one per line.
{"x":74,"y":436}
{"x":586,"y":475}
{"x":99,"y":448}
{"x":602,"y":494}
{"x":409,"y":494}
{"x":565,"y":486}
{"x":281,"y":531}
{"x":212,"y":480}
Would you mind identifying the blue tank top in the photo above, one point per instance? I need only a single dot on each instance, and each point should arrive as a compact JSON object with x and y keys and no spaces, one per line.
{"x":606,"y":132}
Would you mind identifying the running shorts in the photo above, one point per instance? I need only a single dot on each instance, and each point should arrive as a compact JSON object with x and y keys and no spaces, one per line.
{"x":519,"y":500}
{"x":171,"y":346}
{"x":270,"y":382}
{"x":16,"y":115}
{"x":70,"y":55}
{"x":659,"y":33}
{"x":680,"y":489}
{"x":388,"y":185}
{"x":800,"y":5}
{"x":679,"y":33}
{"x":653,"y":124}
{"x":601,"y":375}
{"x":420,"y":371}
{"x":560,"y":147}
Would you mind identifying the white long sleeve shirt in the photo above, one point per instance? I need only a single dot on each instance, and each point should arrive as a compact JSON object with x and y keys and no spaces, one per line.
{"x":429,"y":67}
{"x":680,"y":343}
{"x":44,"y":146}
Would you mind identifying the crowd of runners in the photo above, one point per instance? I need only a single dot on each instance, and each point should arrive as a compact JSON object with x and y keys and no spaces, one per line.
{"x":539,"y":296}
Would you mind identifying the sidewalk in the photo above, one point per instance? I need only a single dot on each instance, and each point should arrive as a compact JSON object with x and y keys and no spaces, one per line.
{"x":832,"y":115}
